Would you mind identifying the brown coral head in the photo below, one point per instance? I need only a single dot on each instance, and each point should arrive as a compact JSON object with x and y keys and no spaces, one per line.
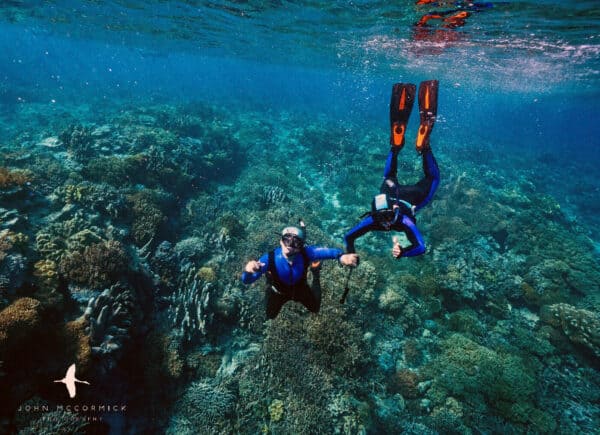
{"x":98,"y":265}
{"x":406,"y":382}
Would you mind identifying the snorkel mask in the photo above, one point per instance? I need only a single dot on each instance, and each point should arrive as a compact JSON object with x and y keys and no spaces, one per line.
{"x":293,"y":237}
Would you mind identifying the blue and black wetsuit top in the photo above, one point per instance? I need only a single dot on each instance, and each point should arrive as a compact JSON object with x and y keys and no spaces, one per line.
{"x":286,"y":276}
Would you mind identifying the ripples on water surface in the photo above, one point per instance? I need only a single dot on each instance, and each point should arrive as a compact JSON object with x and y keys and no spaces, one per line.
{"x":511,"y":40}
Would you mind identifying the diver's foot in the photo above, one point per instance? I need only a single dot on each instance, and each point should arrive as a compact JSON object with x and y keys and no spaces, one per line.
{"x":401,"y":103}
{"x":428,"y":93}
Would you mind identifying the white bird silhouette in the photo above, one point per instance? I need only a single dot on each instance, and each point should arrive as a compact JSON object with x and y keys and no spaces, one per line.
{"x":70,"y":379}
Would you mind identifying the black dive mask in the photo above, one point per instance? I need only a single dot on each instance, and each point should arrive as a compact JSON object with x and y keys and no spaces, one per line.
{"x":292,"y":241}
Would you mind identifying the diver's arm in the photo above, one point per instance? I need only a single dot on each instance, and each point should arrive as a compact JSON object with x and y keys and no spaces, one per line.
{"x":362,"y":228}
{"x":417,"y":244}
{"x":250,"y":277}
{"x":315,"y":253}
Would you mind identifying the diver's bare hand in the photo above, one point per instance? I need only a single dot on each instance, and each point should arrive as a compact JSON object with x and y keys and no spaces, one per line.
{"x":253,"y":266}
{"x":397,"y":249}
{"x":349,"y":260}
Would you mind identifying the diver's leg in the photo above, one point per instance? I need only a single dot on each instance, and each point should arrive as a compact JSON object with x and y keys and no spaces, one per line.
{"x":427,"y":186}
{"x":391,"y":164}
{"x":310,"y":297}
{"x":273,"y":302}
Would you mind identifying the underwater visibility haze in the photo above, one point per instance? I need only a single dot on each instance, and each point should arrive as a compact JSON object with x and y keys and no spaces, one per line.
{"x":150,"y":149}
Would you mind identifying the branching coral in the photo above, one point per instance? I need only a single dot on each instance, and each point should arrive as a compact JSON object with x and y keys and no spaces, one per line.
{"x":544,"y":283}
{"x":405,"y":382}
{"x":98,"y":265}
{"x":350,"y":414}
{"x":77,"y":343}
{"x":115,"y":171}
{"x":206,"y":404}
{"x":299,"y":364}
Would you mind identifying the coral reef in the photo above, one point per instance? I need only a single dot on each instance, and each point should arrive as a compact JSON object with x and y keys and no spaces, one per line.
{"x":146,"y":209}
{"x":56,"y":422}
{"x":78,"y":140}
{"x":466,"y":369}
{"x":13,"y":264}
{"x":476,"y":268}
{"x":97,"y":265}
{"x":580,"y":326}
{"x":18,"y":322}
{"x":190,"y":312}
{"x":141,"y":217}
{"x":112,"y":319}
{"x":205,"y":404}
{"x":276,"y":410}
{"x":405,"y":382}
{"x":11,"y":179}
{"x":272,"y":195}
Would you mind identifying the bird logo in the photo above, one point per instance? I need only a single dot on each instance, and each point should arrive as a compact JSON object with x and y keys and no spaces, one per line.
{"x":70,"y":379}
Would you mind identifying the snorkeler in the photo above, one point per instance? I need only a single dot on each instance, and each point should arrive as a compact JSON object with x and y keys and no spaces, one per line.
{"x":452,"y":18}
{"x":395,"y":207}
{"x":286,"y":270}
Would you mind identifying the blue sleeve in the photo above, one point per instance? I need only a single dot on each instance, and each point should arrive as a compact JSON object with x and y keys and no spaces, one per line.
{"x":417,"y":246}
{"x":363,"y":227}
{"x":249,"y":278}
{"x":317,"y":253}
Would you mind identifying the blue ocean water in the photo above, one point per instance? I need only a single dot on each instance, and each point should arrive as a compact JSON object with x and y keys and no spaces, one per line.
{"x":518,"y":107}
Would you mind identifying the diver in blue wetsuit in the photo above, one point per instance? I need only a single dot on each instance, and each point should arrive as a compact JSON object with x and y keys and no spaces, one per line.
{"x":286,"y":270}
{"x":395,"y":207}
